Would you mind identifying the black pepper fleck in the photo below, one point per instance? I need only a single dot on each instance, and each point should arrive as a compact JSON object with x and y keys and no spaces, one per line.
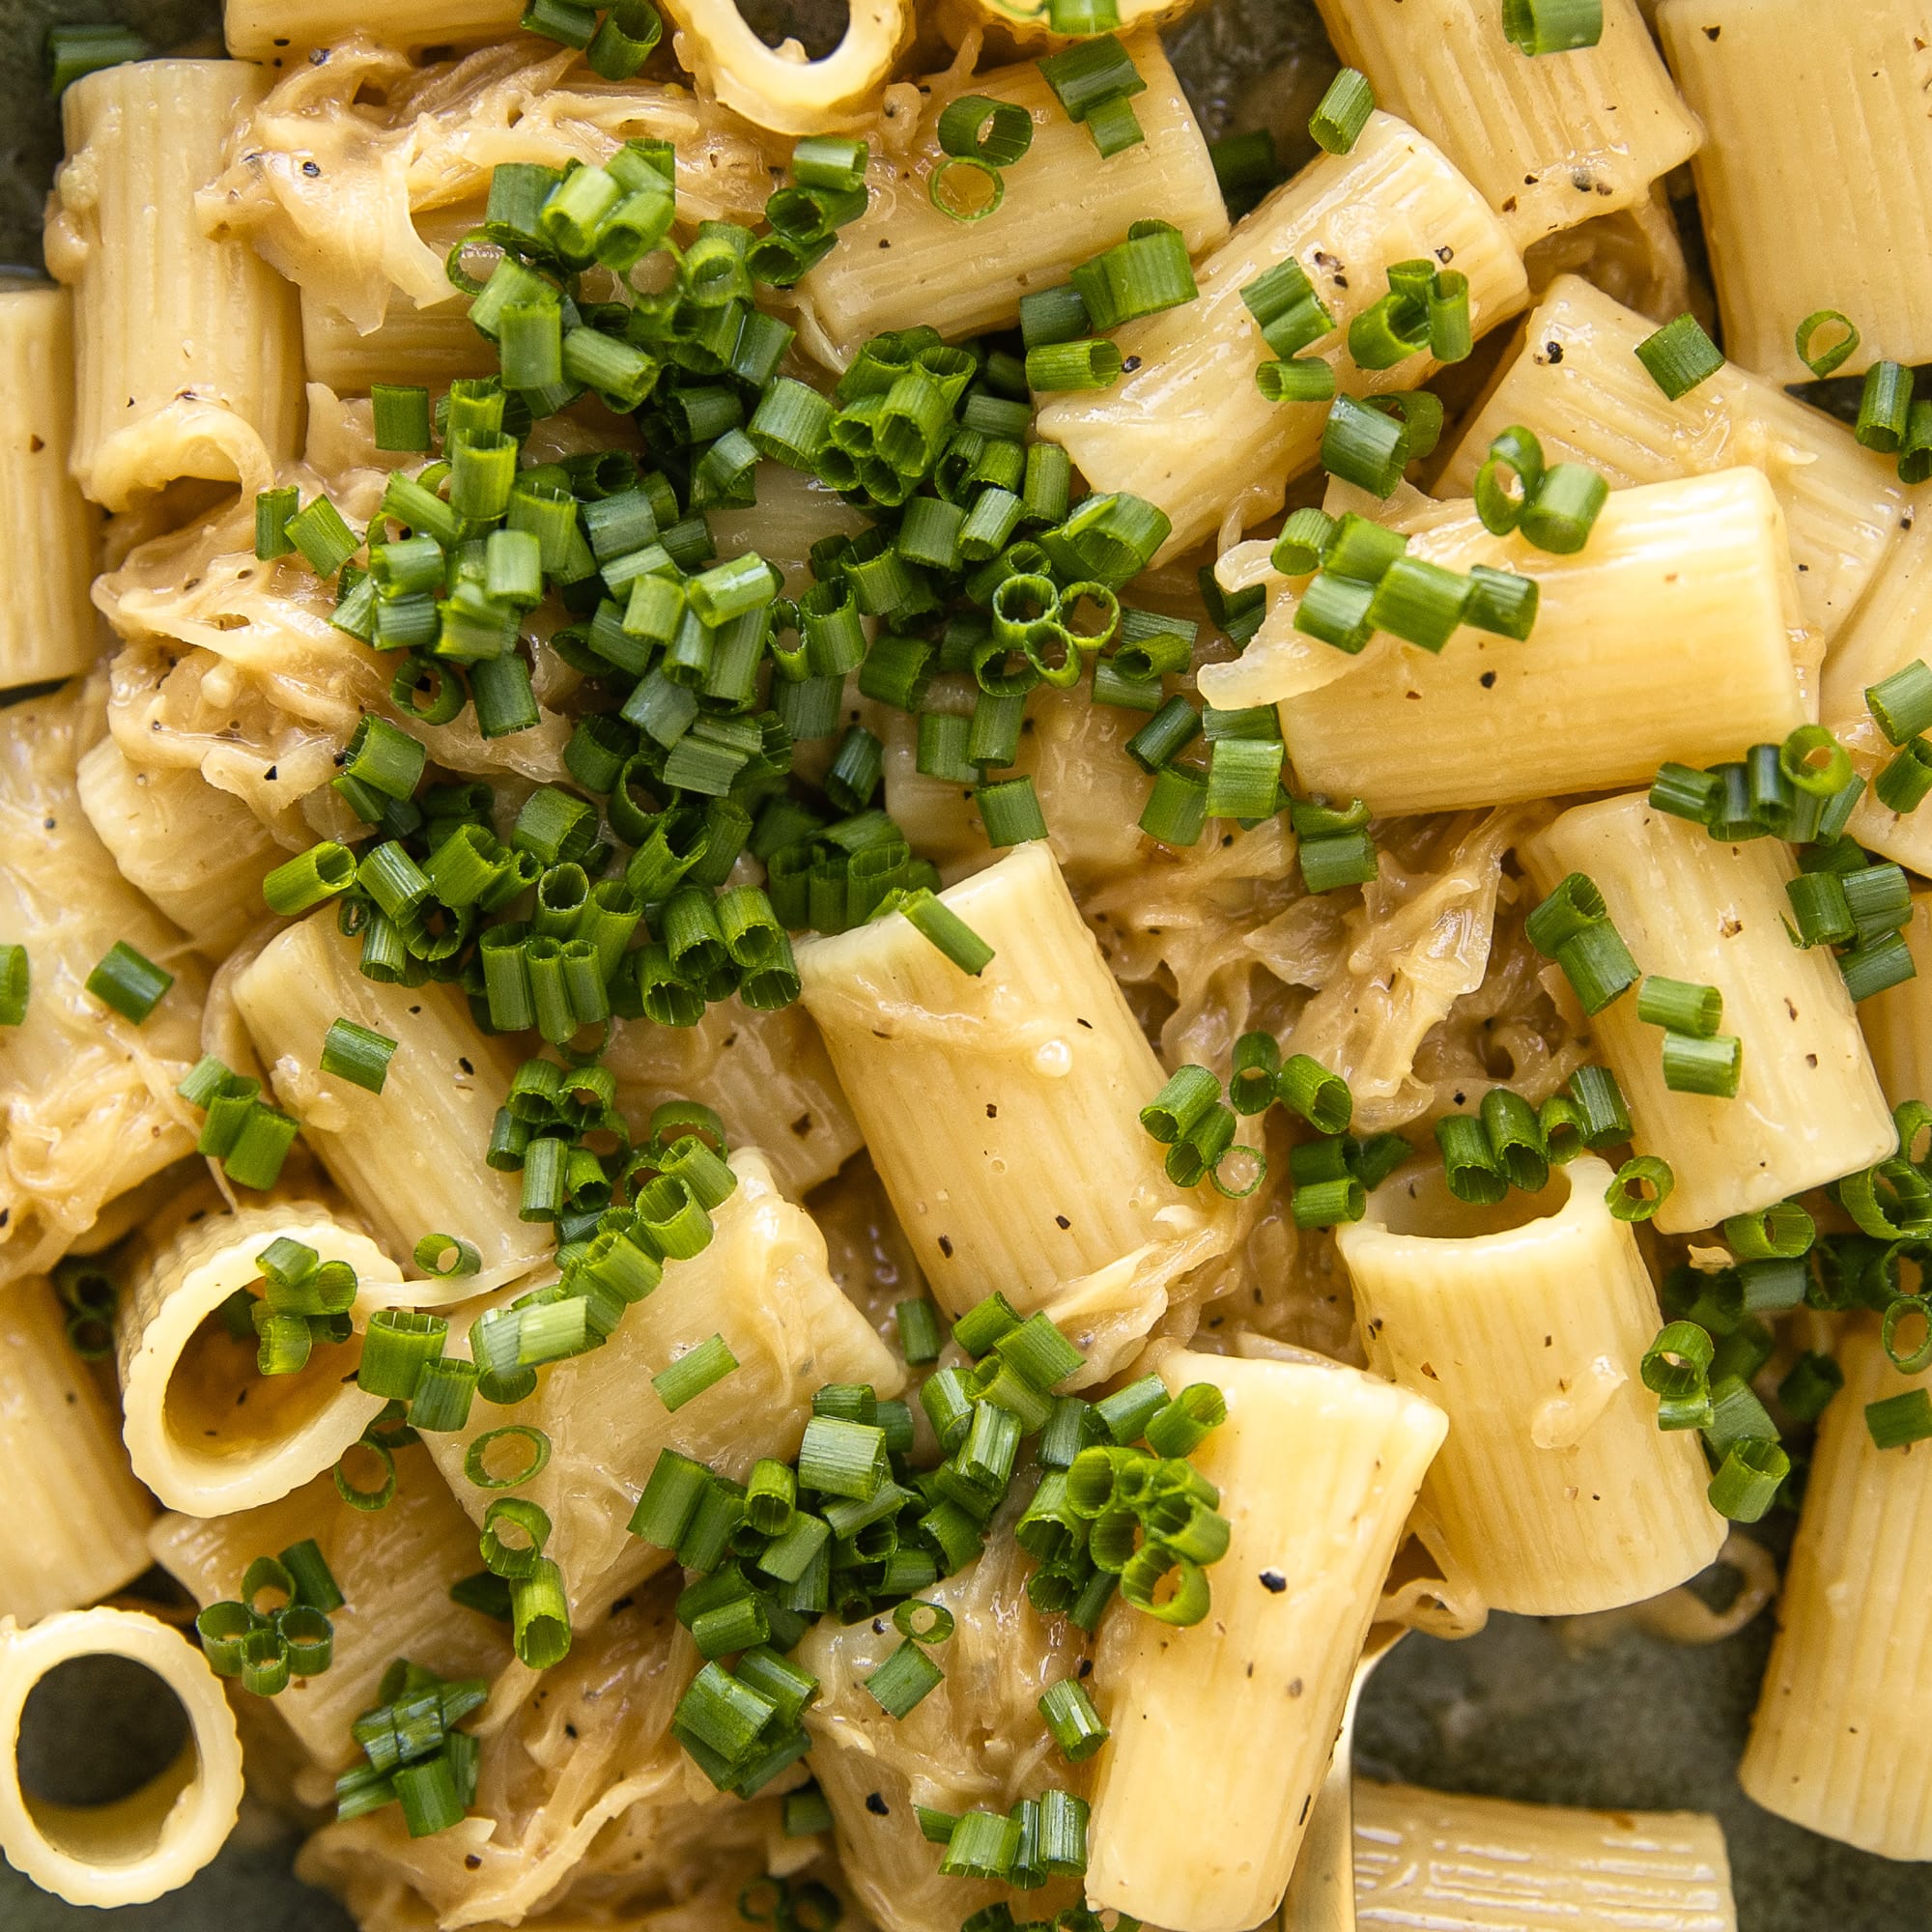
{"x":1274,"y":1582}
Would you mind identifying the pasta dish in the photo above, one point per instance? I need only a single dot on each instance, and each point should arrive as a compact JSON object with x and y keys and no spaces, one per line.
{"x":872,"y":942}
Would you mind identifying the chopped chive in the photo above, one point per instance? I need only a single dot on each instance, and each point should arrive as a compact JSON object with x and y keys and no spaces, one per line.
{"x":1711,"y":1066}
{"x":356,"y":1054}
{"x":128,"y":981}
{"x":1839,"y":350}
{"x":1679,"y":357}
{"x":1344,"y":111}
{"x":1642,"y":1185}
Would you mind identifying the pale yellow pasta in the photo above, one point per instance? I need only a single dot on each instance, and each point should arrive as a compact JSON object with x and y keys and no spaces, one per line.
{"x":154,"y":1840}
{"x":189,"y":358}
{"x":763,"y":1286}
{"x":1578,"y":385}
{"x":430,"y":346}
{"x":206,"y":1431}
{"x":1187,"y":429}
{"x":1783,"y":126}
{"x":1318,"y":1467}
{"x":445,"y":1081}
{"x":767,"y":1075}
{"x":270,"y":31}
{"x":1550,"y":142}
{"x":1890,"y":629}
{"x":79,"y":1520}
{"x":393,"y":1567}
{"x":200,"y":854}
{"x":1526,"y":1323}
{"x":48,"y":626}
{"x":1689,"y":907}
{"x":1897,"y":1023}
{"x":1837,"y":1744}
{"x":1668,"y":636}
{"x":793,"y":512}
{"x":904,"y":263}
{"x":1483,"y":1865}
{"x":87,"y":1104}
{"x":1004,"y":1111}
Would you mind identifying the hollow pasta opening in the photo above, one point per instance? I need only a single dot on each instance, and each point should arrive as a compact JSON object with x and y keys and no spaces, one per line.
{"x":1419,"y":1203}
{"x":103,"y":1752}
{"x":220,"y":1405}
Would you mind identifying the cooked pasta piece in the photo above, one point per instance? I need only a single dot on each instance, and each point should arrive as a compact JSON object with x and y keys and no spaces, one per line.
{"x":1808,"y":1107}
{"x":1318,"y":1467}
{"x":48,"y":626}
{"x":257,"y":30}
{"x":1483,"y":1865}
{"x":1004,"y":1111}
{"x":393,"y":1566}
{"x":793,"y":512}
{"x":1551,"y":142}
{"x":409,"y":1158}
{"x":974,"y":1742}
{"x":1187,"y":429}
{"x":904,"y":261}
{"x":206,"y":1431}
{"x":1669,"y":637}
{"x":762,"y":1285}
{"x":77,"y":1520}
{"x":1837,"y":1744}
{"x":1782,"y":127}
{"x":1886,"y":632}
{"x":200,"y":854}
{"x":1578,"y":385}
{"x":154,"y":1839}
{"x":767,"y":1075}
{"x":585,"y":1806}
{"x":1526,"y":1323}
{"x":1897,"y":1024}
{"x":189,"y":349}
{"x":87,"y":1102}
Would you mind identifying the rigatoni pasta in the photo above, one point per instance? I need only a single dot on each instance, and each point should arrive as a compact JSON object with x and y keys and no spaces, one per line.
{"x":1697,"y":909}
{"x":1576,"y":382}
{"x":902,"y":262}
{"x":1836,"y":1742}
{"x":1186,"y":428}
{"x":1779,"y":249}
{"x":1002,"y":1111}
{"x":1319,"y":1465}
{"x":1526,"y":1325}
{"x":1484,"y":1864}
{"x":1550,"y":142}
{"x":278,"y":34}
{"x":1668,"y":638}
{"x":79,"y":1519}
{"x":188,"y":351}
{"x":154,"y":1839}
{"x":48,"y":626}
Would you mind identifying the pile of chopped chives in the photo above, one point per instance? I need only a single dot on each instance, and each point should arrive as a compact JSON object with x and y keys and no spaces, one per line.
{"x":264,"y":1648}
{"x":1508,"y":1143}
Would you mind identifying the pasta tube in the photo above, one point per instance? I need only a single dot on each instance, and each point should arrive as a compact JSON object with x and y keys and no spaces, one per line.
{"x":1527,"y":1324}
{"x":1808,"y":1107}
{"x":200,"y":854}
{"x":1483,"y":1865}
{"x":393,"y":1567}
{"x":766,"y":1074}
{"x":1187,"y":429}
{"x":1837,"y":1744}
{"x":270,"y":31}
{"x":156,"y":1838}
{"x":1548,"y":143}
{"x":1003,"y":1112}
{"x":79,"y":1520}
{"x":1669,"y":637}
{"x":88,"y":1109}
{"x":1578,"y":383}
{"x":48,"y":626}
{"x":1779,"y":122}
{"x":409,"y":1158}
{"x":904,"y":261}
{"x":1897,"y":1023}
{"x":205,"y":1429}
{"x":188,"y":351}
{"x":762,"y":1283}
{"x":1886,"y":632}
{"x":1318,"y":1467}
